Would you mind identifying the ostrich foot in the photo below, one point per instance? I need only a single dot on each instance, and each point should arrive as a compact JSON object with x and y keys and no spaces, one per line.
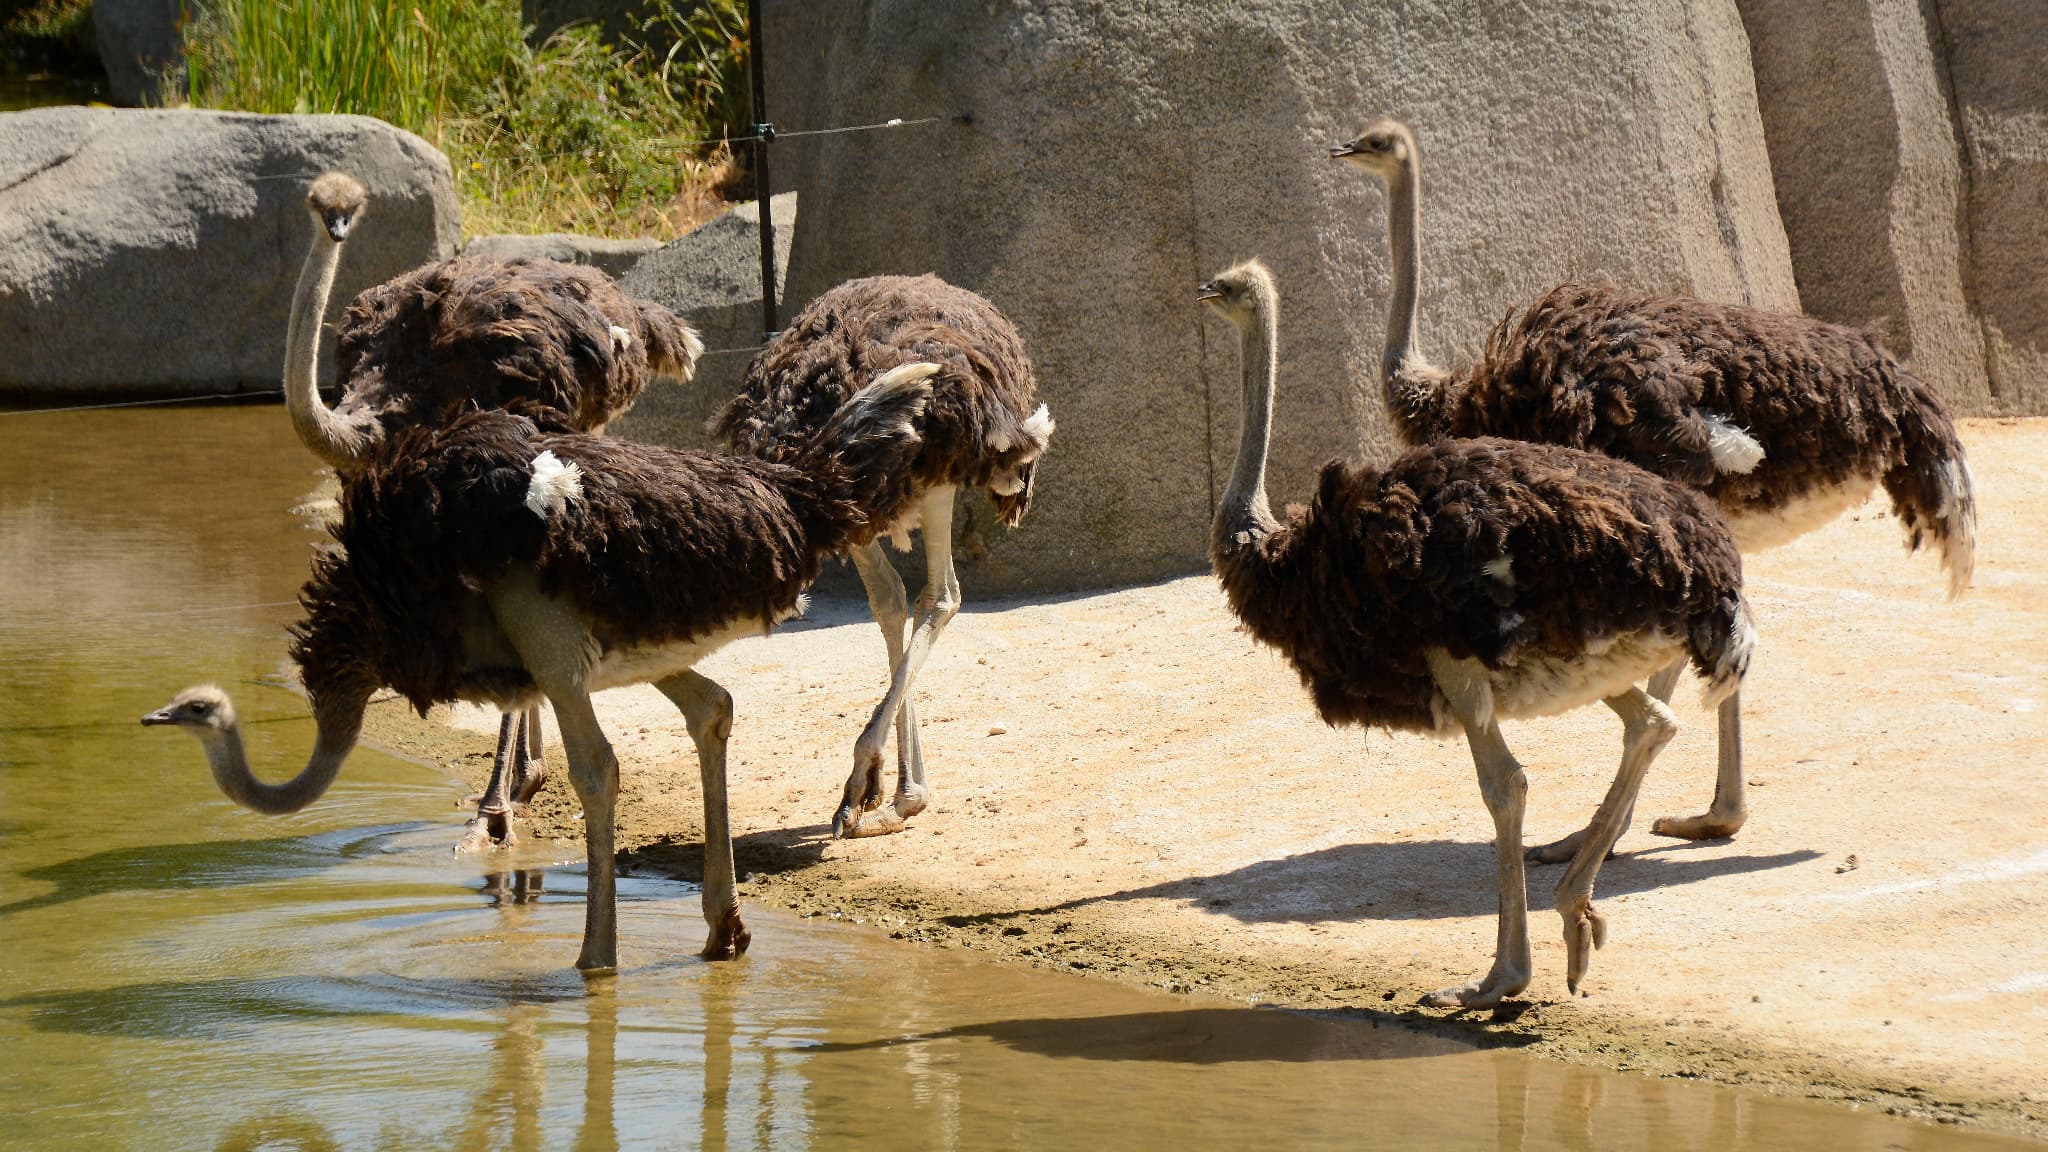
{"x":893,"y":818}
{"x":1560,"y":851}
{"x":729,"y":937}
{"x":863,"y":794}
{"x":1707,"y":826}
{"x":490,"y":828}
{"x":1584,"y":930}
{"x":1497,"y":985}
{"x":529,"y":784}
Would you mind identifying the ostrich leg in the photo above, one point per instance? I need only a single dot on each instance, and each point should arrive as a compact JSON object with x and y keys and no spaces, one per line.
{"x":707,"y":710}
{"x":891,"y":609}
{"x":1506,"y":789}
{"x":1730,"y":809}
{"x":594,"y":772}
{"x":492,"y":823}
{"x":1647,"y":725}
{"x":935,"y":606}
{"x":529,"y":766}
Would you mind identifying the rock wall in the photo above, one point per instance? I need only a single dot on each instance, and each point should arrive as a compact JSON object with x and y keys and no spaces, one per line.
{"x":1118,"y":154}
{"x":1909,"y":148}
{"x":1997,"y":56}
{"x":155,"y":252}
{"x":712,"y":278}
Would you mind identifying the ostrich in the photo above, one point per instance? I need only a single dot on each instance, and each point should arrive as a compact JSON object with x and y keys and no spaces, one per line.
{"x":497,"y":561}
{"x":980,"y":430}
{"x":462,"y":333}
{"x":1783,"y":420}
{"x":1472,"y":581}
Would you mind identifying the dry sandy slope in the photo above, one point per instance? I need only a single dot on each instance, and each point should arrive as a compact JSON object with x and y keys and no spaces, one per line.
{"x":1163,"y":806}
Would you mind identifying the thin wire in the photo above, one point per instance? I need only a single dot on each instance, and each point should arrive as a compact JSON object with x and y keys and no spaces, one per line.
{"x":145,"y":403}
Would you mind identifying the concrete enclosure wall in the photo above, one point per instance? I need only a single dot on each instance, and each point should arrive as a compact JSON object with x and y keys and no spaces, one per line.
{"x":1119,"y":154}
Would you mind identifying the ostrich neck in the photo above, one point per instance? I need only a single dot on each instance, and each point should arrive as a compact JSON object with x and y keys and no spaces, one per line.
{"x":337,"y":722}
{"x":1405,"y":250}
{"x":1244,"y":513}
{"x":329,"y":436}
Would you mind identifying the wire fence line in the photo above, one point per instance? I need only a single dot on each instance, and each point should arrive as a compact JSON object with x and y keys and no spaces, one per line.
{"x":668,"y":143}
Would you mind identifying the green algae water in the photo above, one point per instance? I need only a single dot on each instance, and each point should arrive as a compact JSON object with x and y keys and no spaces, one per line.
{"x":176,"y":973}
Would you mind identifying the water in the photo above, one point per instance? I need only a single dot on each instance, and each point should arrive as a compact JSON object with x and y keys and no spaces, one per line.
{"x":181,"y":974}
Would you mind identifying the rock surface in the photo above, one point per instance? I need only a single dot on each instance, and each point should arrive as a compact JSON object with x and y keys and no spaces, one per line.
{"x":1997,"y":54}
{"x":139,"y":43}
{"x":1119,"y":154}
{"x":155,"y":252}
{"x":712,"y":278}
{"x":1870,"y":182}
{"x":614,"y":258}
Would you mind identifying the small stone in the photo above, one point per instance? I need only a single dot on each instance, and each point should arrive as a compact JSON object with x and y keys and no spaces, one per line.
{"x":997,"y":731}
{"x":1849,"y":864}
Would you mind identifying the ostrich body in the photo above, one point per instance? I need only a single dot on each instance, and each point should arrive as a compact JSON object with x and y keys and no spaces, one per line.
{"x":1784,"y":421}
{"x":1475,"y":580}
{"x":465,"y":333}
{"x":983,"y":429}
{"x":494,"y":561}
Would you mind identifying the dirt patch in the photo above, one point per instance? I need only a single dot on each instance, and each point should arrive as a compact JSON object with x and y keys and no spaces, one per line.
{"x":1126,"y":786}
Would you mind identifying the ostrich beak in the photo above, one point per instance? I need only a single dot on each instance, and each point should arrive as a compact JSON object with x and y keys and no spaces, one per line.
{"x":338,"y":226}
{"x":160,"y":716}
{"x":1208,"y":292}
{"x":1340,"y":151}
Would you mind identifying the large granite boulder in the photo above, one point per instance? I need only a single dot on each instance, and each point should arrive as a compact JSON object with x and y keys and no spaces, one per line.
{"x":1119,"y":154}
{"x":1869,"y":180}
{"x":614,"y":258}
{"x":712,"y":278}
{"x":155,"y":252}
{"x":141,"y":45}
{"x":1997,"y":52}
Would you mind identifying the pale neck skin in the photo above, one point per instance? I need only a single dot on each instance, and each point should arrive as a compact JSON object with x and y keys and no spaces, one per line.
{"x":338,"y":724}
{"x":1405,"y":253}
{"x":338,"y":443}
{"x":1243,"y":514}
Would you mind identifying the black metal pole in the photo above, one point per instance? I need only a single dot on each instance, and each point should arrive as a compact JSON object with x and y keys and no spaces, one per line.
{"x":764,"y":135}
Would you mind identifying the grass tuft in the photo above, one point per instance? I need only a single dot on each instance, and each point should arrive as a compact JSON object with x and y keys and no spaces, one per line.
{"x":575,"y":135}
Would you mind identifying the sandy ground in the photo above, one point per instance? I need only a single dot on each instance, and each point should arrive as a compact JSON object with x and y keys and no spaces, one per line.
{"x":1125,"y":785}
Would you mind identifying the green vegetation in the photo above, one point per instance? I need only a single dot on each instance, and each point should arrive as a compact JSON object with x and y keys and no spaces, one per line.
{"x":577,"y":134}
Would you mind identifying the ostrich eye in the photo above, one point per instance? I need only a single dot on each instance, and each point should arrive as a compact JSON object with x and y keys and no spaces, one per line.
{"x":200,"y":707}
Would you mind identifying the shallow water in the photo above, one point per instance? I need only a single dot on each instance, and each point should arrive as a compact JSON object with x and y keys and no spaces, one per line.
{"x":181,"y":974}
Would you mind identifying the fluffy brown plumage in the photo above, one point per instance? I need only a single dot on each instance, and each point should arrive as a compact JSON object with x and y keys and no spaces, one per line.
{"x":479,"y":332}
{"x":979,"y":430}
{"x":1637,"y":376}
{"x":1497,"y":550}
{"x":1676,"y":385}
{"x":661,"y":545}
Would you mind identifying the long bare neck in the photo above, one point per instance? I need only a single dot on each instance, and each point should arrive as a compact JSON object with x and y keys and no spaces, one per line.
{"x":338,"y":722}
{"x":334,"y":440}
{"x":1404,"y":246}
{"x":1243,"y":514}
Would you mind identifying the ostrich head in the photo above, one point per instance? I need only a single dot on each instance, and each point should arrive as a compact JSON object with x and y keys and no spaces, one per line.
{"x":205,"y":711}
{"x":335,"y":200}
{"x":1384,"y":146}
{"x":1240,"y":293}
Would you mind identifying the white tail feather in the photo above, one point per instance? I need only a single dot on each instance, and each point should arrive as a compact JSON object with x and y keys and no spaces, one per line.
{"x":1959,"y":524}
{"x":1732,"y":449}
{"x":554,"y":484}
{"x":1734,"y":662}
